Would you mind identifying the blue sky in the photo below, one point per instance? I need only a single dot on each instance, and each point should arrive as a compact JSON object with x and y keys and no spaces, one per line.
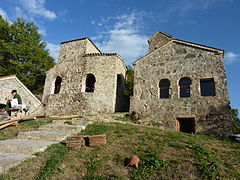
{"x":123,"y":26}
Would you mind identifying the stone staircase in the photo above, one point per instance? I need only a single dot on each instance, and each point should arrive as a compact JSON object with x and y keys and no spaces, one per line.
{"x":14,"y":151}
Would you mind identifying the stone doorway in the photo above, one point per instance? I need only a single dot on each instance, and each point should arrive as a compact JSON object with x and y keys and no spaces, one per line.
{"x":58,"y":83}
{"x":186,"y":125}
{"x":119,"y":93}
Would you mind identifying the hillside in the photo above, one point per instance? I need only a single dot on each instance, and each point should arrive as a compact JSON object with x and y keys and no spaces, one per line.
{"x":164,"y":155}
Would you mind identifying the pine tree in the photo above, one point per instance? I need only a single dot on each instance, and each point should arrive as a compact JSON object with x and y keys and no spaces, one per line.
{"x":22,"y":52}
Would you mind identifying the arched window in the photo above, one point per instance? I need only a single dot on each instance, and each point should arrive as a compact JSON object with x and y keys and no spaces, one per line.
{"x":164,"y":88}
{"x":185,"y":90}
{"x":90,"y":83}
{"x":207,"y":87}
{"x":58,"y":82}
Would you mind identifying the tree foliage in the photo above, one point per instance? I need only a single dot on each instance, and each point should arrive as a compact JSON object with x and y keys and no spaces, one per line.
{"x":236,"y":121}
{"x":22,"y":52}
{"x":129,"y":81}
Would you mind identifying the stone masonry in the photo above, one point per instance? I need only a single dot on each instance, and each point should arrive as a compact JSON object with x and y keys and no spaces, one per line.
{"x":9,"y":83}
{"x":78,"y":60}
{"x":172,"y":59}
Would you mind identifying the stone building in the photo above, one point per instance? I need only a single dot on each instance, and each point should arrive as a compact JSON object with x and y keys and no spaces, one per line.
{"x":9,"y":83}
{"x":182,"y":86}
{"x":84,"y":80}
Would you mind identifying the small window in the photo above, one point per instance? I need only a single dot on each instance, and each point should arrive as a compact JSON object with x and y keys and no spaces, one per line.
{"x":185,"y":89}
{"x":207,"y":87}
{"x":90,"y":83}
{"x":164,"y":88}
{"x":58,"y":83}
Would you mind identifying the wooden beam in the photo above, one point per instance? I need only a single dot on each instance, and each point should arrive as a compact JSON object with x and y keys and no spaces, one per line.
{"x":17,"y":119}
{"x":8,"y":124}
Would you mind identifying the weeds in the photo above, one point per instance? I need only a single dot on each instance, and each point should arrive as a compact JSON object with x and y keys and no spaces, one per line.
{"x":163,"y":155}
{"x":207,"y":162}
{"x":56,"y":156}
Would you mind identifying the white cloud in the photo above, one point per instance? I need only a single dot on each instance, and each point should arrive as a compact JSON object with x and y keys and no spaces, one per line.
{"x":37,"y":7}
{"x":231,"y":57}
{"x":54,"y":50}
{"x":3,"y":14}
{"x":123,"y":37}
{"x":42,"y":31}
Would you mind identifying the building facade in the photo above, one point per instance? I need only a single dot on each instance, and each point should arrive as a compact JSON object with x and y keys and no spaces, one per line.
{"x":84,"y":80}
{"x":182,"y":86}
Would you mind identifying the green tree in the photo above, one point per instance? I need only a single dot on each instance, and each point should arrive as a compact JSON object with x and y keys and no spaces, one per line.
{"x":129,"y":81}
{"x":236,"y":121}
{"x":22,"y":52}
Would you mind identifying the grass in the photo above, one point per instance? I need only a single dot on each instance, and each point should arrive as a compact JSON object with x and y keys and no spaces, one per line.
{"x":56,"y":156}
{"x":124,"y":119}
{"x":12,"y":131}
{"x":163,"y":155}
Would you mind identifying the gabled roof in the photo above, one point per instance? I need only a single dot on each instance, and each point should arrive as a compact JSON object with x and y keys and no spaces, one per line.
{"x":79,"y":39}
{"x":200,"y":46}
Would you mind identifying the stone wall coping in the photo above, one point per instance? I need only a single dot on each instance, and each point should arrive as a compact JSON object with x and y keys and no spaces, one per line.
{"x":219,"y":51}
{"x":104,"y":54}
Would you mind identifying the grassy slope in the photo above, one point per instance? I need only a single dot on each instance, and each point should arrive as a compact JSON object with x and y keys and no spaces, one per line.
{"x":163,"y":154}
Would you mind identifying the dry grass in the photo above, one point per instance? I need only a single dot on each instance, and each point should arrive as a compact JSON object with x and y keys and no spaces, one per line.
{"x":163,"y":154}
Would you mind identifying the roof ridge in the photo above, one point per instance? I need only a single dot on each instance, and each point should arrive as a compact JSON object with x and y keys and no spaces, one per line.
{"x":196,"y":44}
{"x":169,"y":35}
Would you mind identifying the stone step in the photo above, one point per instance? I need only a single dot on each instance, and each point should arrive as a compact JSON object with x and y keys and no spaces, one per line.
{"x":44,"y":135}
{"x":74,"y":121}
{"x":9,"y":160}
{"x":24,"y":145}
{"x":61,"y":128}
{"x":81,"y":122}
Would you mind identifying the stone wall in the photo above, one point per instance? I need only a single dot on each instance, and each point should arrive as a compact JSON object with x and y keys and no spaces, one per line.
{"x":174,"y":61}
{"x":10,"y":83}
{"x":158,"y":39}
{"x":74,"y":50}
{"x":73,"y":68}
